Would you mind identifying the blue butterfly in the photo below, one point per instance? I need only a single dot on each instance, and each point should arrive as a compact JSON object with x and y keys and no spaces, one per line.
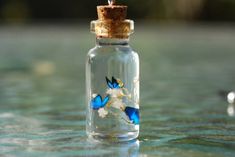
{"x":133,"y":115}
{"x":98,"y":103}
{"x":115,"y":83}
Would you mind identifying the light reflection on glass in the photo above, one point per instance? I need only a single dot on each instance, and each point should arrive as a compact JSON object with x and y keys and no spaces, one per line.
{"x":130,"y":149}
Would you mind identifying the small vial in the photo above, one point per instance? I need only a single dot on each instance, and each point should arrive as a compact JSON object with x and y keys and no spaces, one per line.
{"x":112,"y":78}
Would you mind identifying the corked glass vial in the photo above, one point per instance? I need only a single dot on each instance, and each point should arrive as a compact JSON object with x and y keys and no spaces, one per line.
{"x":112,"y":78}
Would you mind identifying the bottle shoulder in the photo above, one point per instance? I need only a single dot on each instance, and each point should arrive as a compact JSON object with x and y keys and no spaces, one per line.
{"x":111,"y":50}
{"x":121,"y":54}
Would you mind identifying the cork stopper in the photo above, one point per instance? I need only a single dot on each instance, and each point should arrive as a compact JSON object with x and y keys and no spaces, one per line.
{"x":112,"y":12}
{"x":112,"y":22}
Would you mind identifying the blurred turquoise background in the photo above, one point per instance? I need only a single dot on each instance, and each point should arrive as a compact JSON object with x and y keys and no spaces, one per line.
{"x":187,"y":54}
{"x":183,"y":71}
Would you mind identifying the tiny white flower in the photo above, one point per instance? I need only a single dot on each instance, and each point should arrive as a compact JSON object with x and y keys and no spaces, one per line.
{"x":102,"y":112}
{"x":114,"y":92}
{"x":94,"y":95}
{"x":117,"y":103}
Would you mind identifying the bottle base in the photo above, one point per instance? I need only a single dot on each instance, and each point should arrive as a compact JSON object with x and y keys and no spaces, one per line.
{"x":99,"y":137}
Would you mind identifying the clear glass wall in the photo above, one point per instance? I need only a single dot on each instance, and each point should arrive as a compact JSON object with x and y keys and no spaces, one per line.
{"x":112,"y":75}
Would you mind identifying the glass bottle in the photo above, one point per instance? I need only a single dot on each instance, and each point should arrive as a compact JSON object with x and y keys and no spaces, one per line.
{"x":112,"y":78}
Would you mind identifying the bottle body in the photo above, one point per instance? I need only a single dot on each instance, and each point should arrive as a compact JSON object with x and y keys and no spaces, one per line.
{"x":112,"y":82}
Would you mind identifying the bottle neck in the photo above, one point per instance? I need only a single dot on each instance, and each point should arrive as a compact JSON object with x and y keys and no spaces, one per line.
{"x":111,"y":41}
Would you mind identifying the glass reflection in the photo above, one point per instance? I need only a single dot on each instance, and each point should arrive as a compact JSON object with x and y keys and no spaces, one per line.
{"x":130,"y":149}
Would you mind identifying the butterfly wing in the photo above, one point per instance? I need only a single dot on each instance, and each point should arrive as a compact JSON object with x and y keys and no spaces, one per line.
{"x":133,"y":114}
{"x":109,"y":83}
{"x":105,"y":101}
{"x":96,"y":103}
{"x":115,"y":83}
